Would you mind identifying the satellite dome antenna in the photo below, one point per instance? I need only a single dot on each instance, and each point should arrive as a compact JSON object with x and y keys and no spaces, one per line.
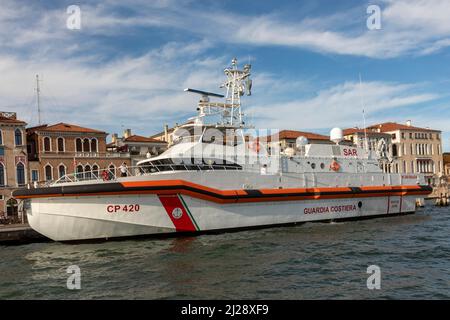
{"x":336,"y":135}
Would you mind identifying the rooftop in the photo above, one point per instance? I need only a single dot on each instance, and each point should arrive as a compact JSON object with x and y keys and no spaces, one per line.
{"x":349,"y":131}
{"x":136,"y":138}
{"x":291,"y":134}
{"x":10,"y":118}
{"x":393,"y":126}
{"x":64,"y":127}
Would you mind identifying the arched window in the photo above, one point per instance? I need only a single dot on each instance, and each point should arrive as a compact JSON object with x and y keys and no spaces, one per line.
{"x":12,"y":207}
{"x":61,"y":170}
{"x":48,"y":173}
{"x":47,"y":144}
{"x":94,"y":145}
{"x":80,"y":171}
{"x":20,"y":174}
{"x":112,"y":170}
{"x":2,"y":175}
{"x":18,"y":137}
{"x":87,"y":172}
{"x":60,"y":142}
{"x":95,"y":170}
{"x":86,"y":145}
{"x":79,"y":145}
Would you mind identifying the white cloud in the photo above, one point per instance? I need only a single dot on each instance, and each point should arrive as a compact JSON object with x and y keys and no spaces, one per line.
{"x":341,"y":105}
{"x":132,"y":90}
{"x":143,"y":91}
{"x":408,"y":26}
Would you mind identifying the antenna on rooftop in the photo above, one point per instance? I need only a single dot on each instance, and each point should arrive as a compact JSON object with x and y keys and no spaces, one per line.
{"x":366,"y":142}
{"x":38,"y":99}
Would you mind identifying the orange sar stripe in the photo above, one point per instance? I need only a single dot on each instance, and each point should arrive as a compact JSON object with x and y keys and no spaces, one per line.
{"x":233,"y":196}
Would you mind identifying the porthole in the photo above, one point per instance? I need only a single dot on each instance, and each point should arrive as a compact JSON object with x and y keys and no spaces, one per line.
{"x":322,"y":165}
{"x":313,"y":165}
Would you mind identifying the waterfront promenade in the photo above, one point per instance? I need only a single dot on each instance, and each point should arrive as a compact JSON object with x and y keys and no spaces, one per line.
{"x":19,"y":233}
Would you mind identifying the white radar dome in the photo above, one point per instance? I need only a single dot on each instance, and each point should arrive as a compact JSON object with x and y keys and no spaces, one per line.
{"x":290,"y":152}
{"x":336,"y":135}
{"x":301,"y":142}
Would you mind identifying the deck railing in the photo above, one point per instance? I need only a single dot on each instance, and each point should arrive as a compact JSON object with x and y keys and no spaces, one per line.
{"x":112,"y":174}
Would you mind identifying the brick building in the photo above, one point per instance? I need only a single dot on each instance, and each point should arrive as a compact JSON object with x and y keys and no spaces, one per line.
{"x":60,"y":149}
{"x":139,"y":147}
{"x":13,"y":162}
{"x":447,"y":164}
{"x":287,"y":139}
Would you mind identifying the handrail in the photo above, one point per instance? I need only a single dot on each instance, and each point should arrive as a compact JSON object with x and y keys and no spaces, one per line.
{"x":109,"y":174}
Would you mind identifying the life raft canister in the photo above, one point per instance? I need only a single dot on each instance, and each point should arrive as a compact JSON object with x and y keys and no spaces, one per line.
{"x":335,"y":166}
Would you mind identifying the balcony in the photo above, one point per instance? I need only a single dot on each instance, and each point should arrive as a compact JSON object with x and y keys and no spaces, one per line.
{"x":59,"y":155}
{"x":102,"y":155}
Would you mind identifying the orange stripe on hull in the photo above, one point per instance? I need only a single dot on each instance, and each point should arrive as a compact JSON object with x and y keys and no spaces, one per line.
{"x":170,"y":187}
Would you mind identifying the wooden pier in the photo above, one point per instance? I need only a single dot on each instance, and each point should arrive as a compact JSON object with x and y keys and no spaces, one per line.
{"x":19,"y":234}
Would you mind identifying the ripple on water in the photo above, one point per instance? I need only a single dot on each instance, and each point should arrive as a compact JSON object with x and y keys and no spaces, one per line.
{"x":309,"y":261}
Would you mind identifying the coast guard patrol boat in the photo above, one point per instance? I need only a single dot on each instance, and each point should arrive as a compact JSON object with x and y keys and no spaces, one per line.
{"x":219,"y":175}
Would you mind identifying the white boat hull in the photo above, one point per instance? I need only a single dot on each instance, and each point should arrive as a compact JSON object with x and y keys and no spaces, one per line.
{"x":107,"y":217}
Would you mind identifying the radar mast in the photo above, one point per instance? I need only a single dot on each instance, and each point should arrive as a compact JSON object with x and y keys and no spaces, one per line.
{"x":229,"y":113}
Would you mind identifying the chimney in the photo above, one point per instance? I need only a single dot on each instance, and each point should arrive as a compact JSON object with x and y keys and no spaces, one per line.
{"x":114,"y":138}
{"x":126,"y":133}
{"x":166,"y":133}
{"x":408,"y":123}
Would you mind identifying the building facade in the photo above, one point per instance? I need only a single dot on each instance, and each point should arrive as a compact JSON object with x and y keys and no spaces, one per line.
{"x":446,"y":157}
{"x":287,"y":139}
{"x":139,"y":147}
{"x":60,"y":149}
{"x":358,"y":137}
{"x":414,"y":149}
{"x":13,"y":163}
{"x":374,"y":139}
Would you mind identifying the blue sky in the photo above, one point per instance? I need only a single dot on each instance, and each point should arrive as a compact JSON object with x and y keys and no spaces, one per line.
{"x":128,"y":65}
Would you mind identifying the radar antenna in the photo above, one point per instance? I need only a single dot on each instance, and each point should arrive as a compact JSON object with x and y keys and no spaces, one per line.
{"x":238,"y":82}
